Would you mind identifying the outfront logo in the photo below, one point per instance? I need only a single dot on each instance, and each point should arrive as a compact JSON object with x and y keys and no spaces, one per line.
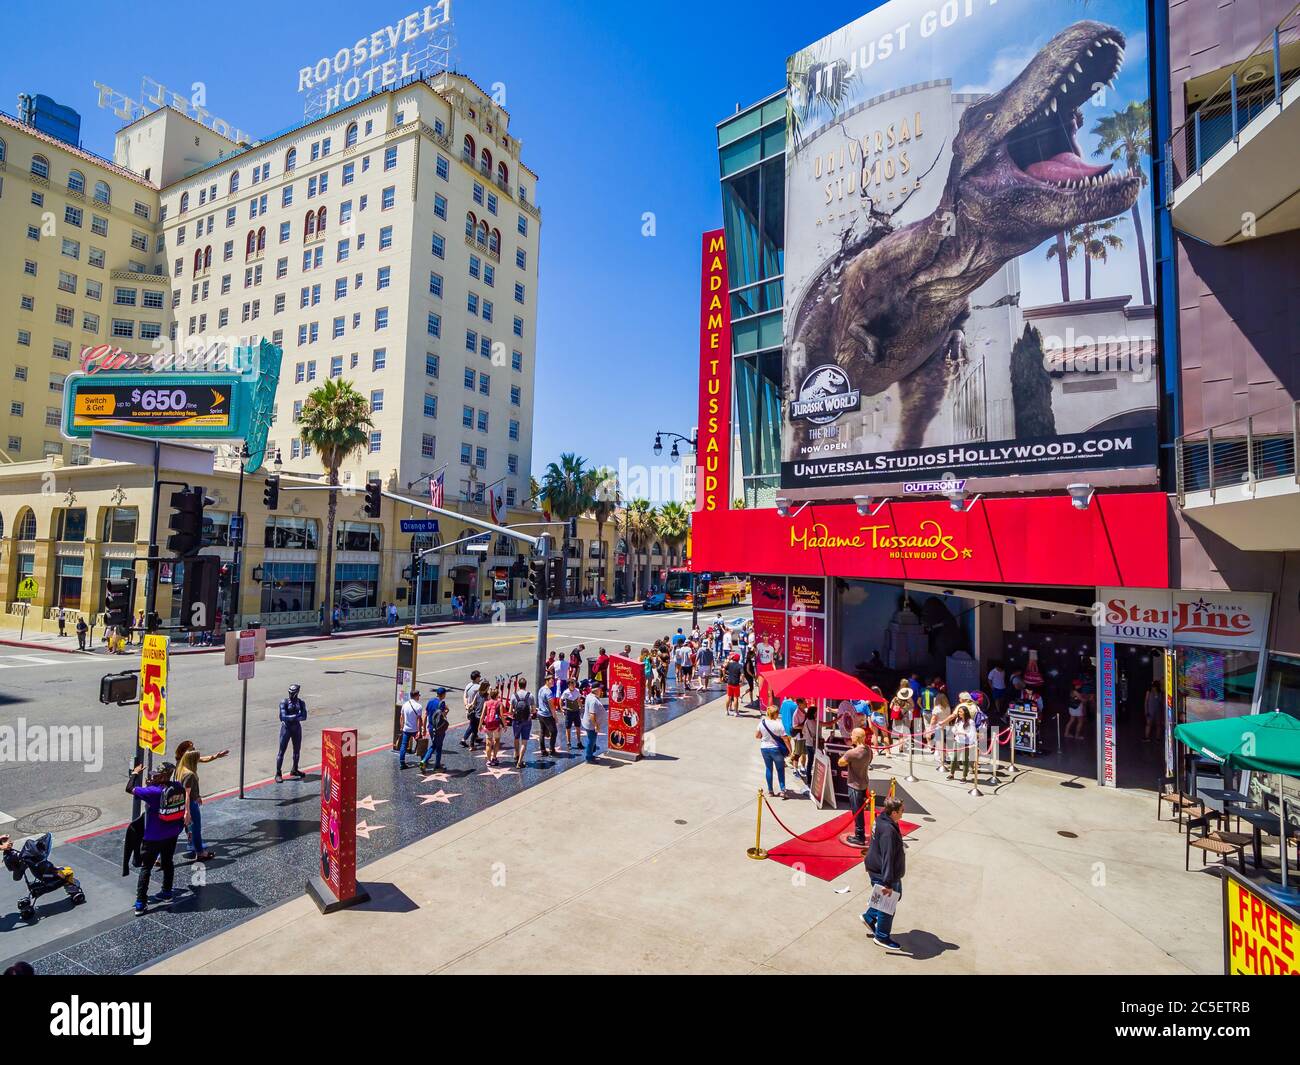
{"x":825,"y":394}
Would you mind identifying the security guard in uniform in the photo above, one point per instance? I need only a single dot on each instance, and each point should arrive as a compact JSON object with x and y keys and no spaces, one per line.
{"x":293,"y":712}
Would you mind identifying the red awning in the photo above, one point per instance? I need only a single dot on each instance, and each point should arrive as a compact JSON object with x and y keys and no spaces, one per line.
{"x":818,"y":682}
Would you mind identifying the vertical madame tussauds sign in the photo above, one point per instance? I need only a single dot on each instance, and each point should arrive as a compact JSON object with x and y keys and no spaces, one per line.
{"x":713,"y":456}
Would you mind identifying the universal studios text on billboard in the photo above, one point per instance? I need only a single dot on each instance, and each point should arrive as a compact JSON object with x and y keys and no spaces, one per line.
{"x":967,"y":247}
{"x":385,"y":57}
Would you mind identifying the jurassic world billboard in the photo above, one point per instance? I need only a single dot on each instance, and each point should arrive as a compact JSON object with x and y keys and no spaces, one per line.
{"x":968,"y":282}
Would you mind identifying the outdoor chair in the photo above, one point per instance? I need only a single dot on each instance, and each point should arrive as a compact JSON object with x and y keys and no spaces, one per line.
{"x":1222,"y":844}
{"x":1167,"y":792}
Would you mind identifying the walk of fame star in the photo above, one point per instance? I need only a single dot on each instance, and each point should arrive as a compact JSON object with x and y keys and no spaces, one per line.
{"x":364,"y":829}
{"x":497,"y":772}
{"x":369,"y":803}
{"x":436,"y":778}
{"x":441,"y":796}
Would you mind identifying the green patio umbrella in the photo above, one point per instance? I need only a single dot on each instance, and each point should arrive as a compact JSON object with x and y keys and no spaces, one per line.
{"x":1264,"y":743}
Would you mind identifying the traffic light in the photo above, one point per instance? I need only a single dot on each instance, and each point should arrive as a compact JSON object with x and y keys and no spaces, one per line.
{"x":374,"y":500}
{"x":573,"y":528}
{"x":271,"y":493}
{"x":520,"y":568}
{"x":186,"y":522}
{"x":555,"y":576}
{"x":119,"y":599}
{"x":537,"y":579}
{"x":199,"y":593}
{"x":119,"y":688}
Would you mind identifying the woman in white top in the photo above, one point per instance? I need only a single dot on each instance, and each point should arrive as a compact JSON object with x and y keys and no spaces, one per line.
{"x":773,"y":746}
{"x":963,"y":741}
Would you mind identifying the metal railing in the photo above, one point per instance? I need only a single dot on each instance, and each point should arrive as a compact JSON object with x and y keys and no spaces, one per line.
{"x":1255,"y":85}
{"x":1235,"y":455}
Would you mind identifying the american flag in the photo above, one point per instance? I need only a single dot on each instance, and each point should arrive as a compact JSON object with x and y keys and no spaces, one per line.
{"x":437,"y":490}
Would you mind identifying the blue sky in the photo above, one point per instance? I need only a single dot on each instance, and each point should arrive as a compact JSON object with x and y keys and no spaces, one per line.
{"x":616,"y":105}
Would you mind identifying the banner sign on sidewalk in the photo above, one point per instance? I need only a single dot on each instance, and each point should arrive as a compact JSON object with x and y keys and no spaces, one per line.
{"x":408,"y":653}
{"x":152,"y":723}
{"x":336,"y":886}
{"x":626,"y":705}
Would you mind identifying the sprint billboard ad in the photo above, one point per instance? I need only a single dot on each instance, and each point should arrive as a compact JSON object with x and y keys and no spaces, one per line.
{"x":968,"y":282}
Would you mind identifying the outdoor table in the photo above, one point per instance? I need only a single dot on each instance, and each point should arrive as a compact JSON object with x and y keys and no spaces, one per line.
{"x":1260,"y":821}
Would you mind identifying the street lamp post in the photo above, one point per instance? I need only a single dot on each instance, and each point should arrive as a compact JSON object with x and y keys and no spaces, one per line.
{"x":236,"y":612}
{"x":675,"y":454}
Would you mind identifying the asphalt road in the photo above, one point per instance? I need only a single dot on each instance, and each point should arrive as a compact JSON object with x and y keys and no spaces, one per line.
{"x":345,"y":682}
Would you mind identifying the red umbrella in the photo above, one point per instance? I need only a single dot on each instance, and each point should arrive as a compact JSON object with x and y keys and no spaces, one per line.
{"x":818,"y":682}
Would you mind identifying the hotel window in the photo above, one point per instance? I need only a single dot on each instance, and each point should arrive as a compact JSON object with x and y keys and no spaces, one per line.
{"x":487,"y":310}
{"x":475,"y":266}
{"x":297,"y":411}
{"x":435,"y":325}
{"x":489,"y":275}
{"x":234,"y":183}
{"x":56,"y":382}
{"x":517,"y":360}
{"x":385,"y":238}
{"x":96,"y":258}
{"x":29,"y":267}
{"x":295,"y":448}
{"x":388,"y":198}
{"x":33,"y":232}
{"x":286,"y":196}
{"x":381,"y":317}
{"x":519,"y":293}
{"x":77,"y":183}
{"x":379,"y":359}
{"x":514,"y":430}
{"x":466,"y":453}
{"x":71,"y":248}
{"x":279,"y":303}
{"x":102,"y":193}
{"x":471,"y":303}
{"x":24,"y":338}
{"x":338,"y":328}
{"x":340,"y":288}
{"x":230,"y":217}
{"x":72,"y":215}
{"x":20,"y":373}
{"x":62,"y":349}
{"x":63,"y":315}
{"x":223,"y":317}
{"x":521,"y":258}
{"x":480,"y":457}
{"x":478,"y":193}
{"x":512,"y":464}
{"x":471,"y":340}
{"x":16,"y":410}
{"x":443,"y":167}
{"x":440,"y":206}
{"x":482,"y":421}
{"x":345,"y":211}
{"x":150,"y":330}
{"x":94,"y":290}
{"x":40,"y":167}
{"x":516,"y":395}
{"x":341,"y":252}
{"x":349,"y":173}
{"x":471,"y":379}
{"x":390,"y":158}
{"x":53,"y":417}
{"x":325,"y":147}
{"x":519,"y":327}
{"x":485,"y":384}
{"x":485,"y":346}
{"x":124,"y":297}
{"x":430,"y":405}
{"x":336,"y":366}
{"x":290,"y":159}
{"x":431,"y":364}
{"x":376,"y":400}
{"x":285,"y":232}
{"x":435,"y":284}
{"x":492,"y":203}
{"x":376,"y":441}
{"x":67,"y":282}
{"x":427,"y":443}
{"x":350,"y":137}
{"x":523,"y":226}
{"x":90,"y":323}
{"x":383,"y":278}
{"x":439,"y":246}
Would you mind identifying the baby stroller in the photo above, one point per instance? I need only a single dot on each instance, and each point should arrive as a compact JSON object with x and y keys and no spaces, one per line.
{"x":32,"y":863}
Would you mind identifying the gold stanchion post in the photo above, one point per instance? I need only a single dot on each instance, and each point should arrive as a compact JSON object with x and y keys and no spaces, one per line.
{"x":756,"y":851}
{"x":975,"y":785}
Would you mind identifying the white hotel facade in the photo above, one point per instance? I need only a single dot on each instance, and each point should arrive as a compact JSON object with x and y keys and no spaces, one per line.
{"x":392,"y":243}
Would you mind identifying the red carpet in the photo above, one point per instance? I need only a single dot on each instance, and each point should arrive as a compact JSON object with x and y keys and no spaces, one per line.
{"x":820,"y":851}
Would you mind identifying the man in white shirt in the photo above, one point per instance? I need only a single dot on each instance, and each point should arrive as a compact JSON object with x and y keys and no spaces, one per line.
{"x":412,"y":725}
{"x":591,"y":720}
{"x":561,"y":671}
{"x":546,"y":706}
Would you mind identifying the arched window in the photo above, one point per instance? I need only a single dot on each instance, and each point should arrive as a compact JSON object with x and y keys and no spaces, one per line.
{"x":503,"y":173}
{"x":198,"y":259}
{"x":250,"y":245}
{"x":350,"y":139}
{"x":482,"y":232}
{"x":290,"y":159}
{"x":261,"y":238}
{"x":234,"y":181}
{"x":485,"y":162}
{"x":320,"y":221}
{"x":40,"y":167}
{"x":102,"y":195}
{"x":471,"y":224}
{"x":495,"y":242}
{"x":309,"y":225}
{"x":2,"y":159}
{"x":25,"y":526}
{"x":207,"y":256}
{"x":470,"y":149}
{"x":185,"y":202}
{"x":76,"y":181}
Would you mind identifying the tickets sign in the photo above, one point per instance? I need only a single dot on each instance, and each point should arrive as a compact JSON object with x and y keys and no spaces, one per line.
{"x":626,"y":705}
{"x":152,"y":721}
{"x":1261,"y":935}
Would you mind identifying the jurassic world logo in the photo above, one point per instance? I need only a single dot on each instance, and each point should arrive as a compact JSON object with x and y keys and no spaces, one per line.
{"x":825,"y":394}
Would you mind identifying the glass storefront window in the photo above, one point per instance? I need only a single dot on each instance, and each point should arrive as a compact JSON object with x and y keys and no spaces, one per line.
{"x":1215,"y":683}
{"x":753,"y":212}
{"x":120,"y":525}
{"x":357,"y":536}
{"x":216,"y":528}
{"x":67,"y":582}
{"x":356,"y":585}
{"x":758,"y":413}
{"x":293,"y":533}
{"x":288,"y":586}
{"x":72,"y":525}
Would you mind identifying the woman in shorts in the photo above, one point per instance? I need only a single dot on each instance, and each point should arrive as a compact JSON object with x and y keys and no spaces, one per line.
{"x":492,"y":721}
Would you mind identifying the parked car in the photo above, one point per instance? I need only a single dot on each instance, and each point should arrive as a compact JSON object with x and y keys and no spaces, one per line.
{"x":655,"y":601}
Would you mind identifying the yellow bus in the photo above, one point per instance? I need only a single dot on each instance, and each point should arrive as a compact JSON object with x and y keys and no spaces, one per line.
{"x":711,"y":589}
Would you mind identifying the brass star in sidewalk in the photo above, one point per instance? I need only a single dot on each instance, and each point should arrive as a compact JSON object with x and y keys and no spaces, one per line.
{"x":369,"y":803}
{"x":496,"y":772}
{"x":364,"y":829}
{"x":441,"y":796}
{"x":436,"y":778}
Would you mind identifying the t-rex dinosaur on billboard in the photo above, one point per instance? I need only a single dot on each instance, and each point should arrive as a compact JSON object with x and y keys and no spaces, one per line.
{"x":890,"y":306}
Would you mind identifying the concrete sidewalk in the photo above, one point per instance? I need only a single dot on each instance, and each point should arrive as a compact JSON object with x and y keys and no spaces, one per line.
{"x":641,"y":867}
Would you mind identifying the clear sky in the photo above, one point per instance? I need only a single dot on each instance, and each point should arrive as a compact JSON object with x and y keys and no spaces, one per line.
{"x":616,"y":106}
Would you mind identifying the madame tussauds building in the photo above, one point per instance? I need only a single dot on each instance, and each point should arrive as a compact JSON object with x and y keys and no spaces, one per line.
{"x":949,"y":434}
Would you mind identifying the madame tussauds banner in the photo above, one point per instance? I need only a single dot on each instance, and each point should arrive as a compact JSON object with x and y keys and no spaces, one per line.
{"x":967,"y":260}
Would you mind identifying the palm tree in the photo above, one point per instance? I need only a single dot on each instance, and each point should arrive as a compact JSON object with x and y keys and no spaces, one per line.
{"x":566,"y":487}
{"x":1095,"y":240}
{"x":336,"y":422}
{"x":604,"y":501}
{"x":639,"y":530}
{"x":1062,"y":253}
{"x":1126,"y":136}
{"x":674,"y":526}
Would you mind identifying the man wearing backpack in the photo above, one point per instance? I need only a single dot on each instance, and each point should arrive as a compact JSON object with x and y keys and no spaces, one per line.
{"x":523,"y":707}
{"x":166,"y":812}
{"x":412,"y":722}
{"x":435,"y":716}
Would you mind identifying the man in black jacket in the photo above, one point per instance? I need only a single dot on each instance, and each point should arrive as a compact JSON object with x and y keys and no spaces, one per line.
{"x":886,"y":865}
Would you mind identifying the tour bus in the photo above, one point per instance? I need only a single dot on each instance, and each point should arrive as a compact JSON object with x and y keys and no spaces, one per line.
{"x":711,"y":589}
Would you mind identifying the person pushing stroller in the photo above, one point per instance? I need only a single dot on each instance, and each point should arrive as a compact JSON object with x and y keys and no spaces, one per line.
{"x":31,"y":863}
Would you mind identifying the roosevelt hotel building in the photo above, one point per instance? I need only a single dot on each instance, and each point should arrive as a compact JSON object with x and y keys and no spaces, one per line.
{"x":392,"y":243}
